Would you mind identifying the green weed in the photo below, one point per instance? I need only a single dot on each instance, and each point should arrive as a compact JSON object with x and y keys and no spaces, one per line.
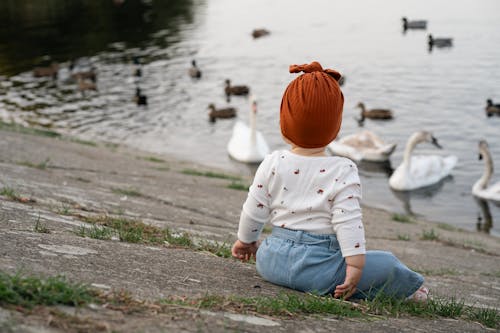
{"x":402,"y":218}
{"x":28,"y":291}
{"x":41,"y":165}
{"x":40,"y":228}
{"x":238,"y":186}
{"x":404,"y":237}
{"x":429,"y":235}
{"x":127,"y":191}
{"x":209,"y":174}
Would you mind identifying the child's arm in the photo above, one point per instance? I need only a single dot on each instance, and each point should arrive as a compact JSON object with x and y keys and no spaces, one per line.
{"x":348,"y":226}
{"x":254,"y":214}
{"x":354,"y":270}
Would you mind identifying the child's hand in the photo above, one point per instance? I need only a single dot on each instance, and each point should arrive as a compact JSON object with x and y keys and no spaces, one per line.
{"x":353,"y":273}
{"x":244,"y":251}
{"x":348,"y":288}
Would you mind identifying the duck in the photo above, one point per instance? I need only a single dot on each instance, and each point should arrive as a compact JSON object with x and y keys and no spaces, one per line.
{"x":235,"y":90}
{"x":439,"y":42}
{"x":90,"y":74}
{"x":223,"y":113}
{"x":362,"y":146}
{"x":257,"y":33}
{"x":415,"y":24}
{"x":248,"y":145}
{"x":194,"y":71}
{"x":380,"y":114}
{"x":47,"y":71}
{"x":421,"y":170}
{"x":491,"y":108}
{"x":139,"y":98}
{"x":481,"y":189}
{"x":84,"y":85}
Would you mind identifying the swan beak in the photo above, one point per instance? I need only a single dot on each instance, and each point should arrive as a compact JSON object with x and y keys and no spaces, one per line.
{"x":435,"y":143}
{"x":480,"y":157}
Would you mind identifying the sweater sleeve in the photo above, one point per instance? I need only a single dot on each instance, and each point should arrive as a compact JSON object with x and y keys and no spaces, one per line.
{"x":255,"y":211}
{"x":347,"y":217}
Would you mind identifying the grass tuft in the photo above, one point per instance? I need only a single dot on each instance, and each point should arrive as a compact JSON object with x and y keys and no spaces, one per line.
{"x":488,"y":317}
{"x":220,"y":249}
{"x":127,"y":191}
{"x":210,"y":174}
{"x":84,"y":142}
{"x":28,"y":130}
{"x":238,"y":186}
{"x":40,"y":228}
{"x":154,"y":159}
{"x":42,"y":165}
{"x":10,"y":193}
{"x":429,"y":235}
{"x":28,"y":291}
{"x":402,"y":218}
{"x":404,"y":237}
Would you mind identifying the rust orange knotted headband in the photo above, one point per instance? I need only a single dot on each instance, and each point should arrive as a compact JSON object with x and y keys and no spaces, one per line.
{"x":311,"y":107}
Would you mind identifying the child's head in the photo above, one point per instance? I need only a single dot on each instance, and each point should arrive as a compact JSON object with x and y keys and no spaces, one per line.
{"x":311,"y":108}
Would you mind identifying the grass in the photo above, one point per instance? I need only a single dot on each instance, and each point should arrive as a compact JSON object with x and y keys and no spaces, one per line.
{"x":493,"y":274}
{"x":28,"y":130}
{"x":153,"y":159}
{"x":283,"y":305}
{"x":83,"y":180}
{"x":84,"y":142}
{"x":40,"y":228}
{"x":41,"y":165}
{"x":238,"y":186}
{"x":135,"y":231}
{"x":293,"y":305}
{"x":437,"y":272}
{"x":10,"y":193}
{"x":404,"y":237}
{"x":64,"y":210}
{"x":209,"y":174}
{"x":131,"y":231}
{"x":220,"y":249}
{"x":429,"y":235}
{"x":447,"y":227}
{"x":28,"y":291}
{"x":127,"y":191}
{"x":96,"y":232}
{"x":402,"y":218}
{"x":163,"y":168}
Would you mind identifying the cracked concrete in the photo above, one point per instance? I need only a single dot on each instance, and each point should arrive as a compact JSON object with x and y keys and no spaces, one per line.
{"x":80,"y":180}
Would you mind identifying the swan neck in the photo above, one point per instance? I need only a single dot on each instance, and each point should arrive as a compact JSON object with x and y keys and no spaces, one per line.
{"x":412,"y":142}
{"x":482,"y":183}
{"x":253,"y":131}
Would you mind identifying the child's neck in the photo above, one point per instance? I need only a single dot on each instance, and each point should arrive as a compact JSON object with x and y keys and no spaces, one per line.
{"x":308,"y":151}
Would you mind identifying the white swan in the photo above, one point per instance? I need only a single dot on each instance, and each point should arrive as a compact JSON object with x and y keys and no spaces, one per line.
{"x":247,"y":144}
{"x":362,"y":146}
{"x":421,"y":170}
{"x":481,"y":188}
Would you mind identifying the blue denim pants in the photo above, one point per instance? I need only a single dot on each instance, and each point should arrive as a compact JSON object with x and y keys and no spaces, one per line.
{"x":314,"y":263}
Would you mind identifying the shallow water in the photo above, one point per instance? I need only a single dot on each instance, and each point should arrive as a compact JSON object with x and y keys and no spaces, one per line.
{"x":443,"y":91}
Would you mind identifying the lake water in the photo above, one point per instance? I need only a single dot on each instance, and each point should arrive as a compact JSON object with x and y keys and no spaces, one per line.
{"x":443,"y":91}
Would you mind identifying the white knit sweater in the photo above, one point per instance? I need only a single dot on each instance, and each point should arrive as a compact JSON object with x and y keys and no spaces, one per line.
{"x":319,"y":195}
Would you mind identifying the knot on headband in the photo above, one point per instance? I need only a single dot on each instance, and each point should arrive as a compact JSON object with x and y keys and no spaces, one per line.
{"x":311,"y":107}
{"x":314,"y":67}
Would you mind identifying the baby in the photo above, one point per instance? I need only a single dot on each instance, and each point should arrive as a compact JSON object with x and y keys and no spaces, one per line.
{"x":313,"y":202}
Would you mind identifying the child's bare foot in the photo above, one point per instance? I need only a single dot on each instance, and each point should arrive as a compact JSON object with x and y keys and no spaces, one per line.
{"x":420,"y":296}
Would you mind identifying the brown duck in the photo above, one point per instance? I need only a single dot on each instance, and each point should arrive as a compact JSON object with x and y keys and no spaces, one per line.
{"x":235,"y":90}
{"x":223,"y":113}
{"x":51,"y":70}
{"x":256,"y":33}
{"x":492,"y":109}
{"x":380,"y":114}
